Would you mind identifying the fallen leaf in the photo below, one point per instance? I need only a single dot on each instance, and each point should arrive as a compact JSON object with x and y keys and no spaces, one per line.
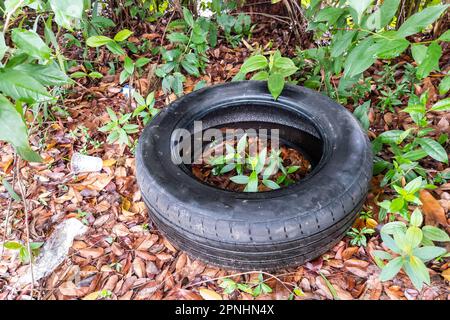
{"x":446,"y":274}
{"x":433,"y":211}
{"x":92,"y":296}
{"x":208,"y":294}
{"x":109,"y":162}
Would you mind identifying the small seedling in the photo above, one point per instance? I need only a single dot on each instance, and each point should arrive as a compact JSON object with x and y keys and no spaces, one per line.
{"x":145,"y":107}
{"x":119,"y":128}
{"x":24,"y":256}
{"x":359,"y":236}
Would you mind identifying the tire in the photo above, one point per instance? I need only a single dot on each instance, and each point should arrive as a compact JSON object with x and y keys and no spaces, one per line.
{"x":265,"y":230}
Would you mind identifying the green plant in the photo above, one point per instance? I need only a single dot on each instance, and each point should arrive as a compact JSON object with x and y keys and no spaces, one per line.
{"x":145,"y":107}
{"x":359,"y":34}
{"x":82,"y":133}
{"x":274,"y":70}
{"x":405,"y":195}
{"x":91,"y":75}
{"x":254,"y":288}
{"x":114,"y":45}
{"x":358,"y":237}
{"x":119,"y":128}
{"x":190,"y":39}
{"x":83,"y":216}
{"x":411,"y":145}
{"x":30,"y":65}
{"x":252,"y":169}
{"x":235,"y":27}
{"x":24,"y":255}
{"x":412,"y":247}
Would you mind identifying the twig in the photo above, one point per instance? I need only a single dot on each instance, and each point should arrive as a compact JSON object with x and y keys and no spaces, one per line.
{"x":275,"y":17}
{"x":8,"y":210}
{"x":9,"y":15}
{"x":27,"y":225}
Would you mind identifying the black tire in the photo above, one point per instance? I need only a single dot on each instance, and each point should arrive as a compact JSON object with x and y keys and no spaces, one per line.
{"x":265,"y":230}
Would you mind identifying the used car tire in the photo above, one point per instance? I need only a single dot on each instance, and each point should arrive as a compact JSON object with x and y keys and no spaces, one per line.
{"x":265,"y":230}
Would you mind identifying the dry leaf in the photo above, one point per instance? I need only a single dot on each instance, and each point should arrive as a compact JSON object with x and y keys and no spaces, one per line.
{"x":208,"y":294}
{"x":446,"y":274}
{"x":434,"y":213}
{"x":109,"y":162}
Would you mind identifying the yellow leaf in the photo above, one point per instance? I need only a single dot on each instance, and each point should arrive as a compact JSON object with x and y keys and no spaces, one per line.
{"x":446,"y":274}
{"x":92,"y":296}
{"x":109,"y":162}
{"x":371,"y":223}
{"x":208,"y":294}
{"x":126,"y":204}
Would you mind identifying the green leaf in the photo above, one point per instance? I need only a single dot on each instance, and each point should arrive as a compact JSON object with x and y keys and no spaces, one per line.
{"x":128,"y":65}
{"x":359,"y":59}
{"x":283,"y":66}
{"x":14,"y":131}
{"x":3,"y":46}
{"x":393,"y":136}
{"x":271,"y":184}
{"x":359,"y":6}
{"x":261,"y":75}
{"x":397,"y":205}
{"x":240,"y":179}
{"x":420,"y":20}
{"x":187,"y":15}
{"x":413,"y":236}
{"x":122,"y":35}
{"x":435,"y":234}
{"x":444,"y":86}
{"x":428,"y":253}
{"x":383,"y":255}
{"x":414,"y":185}
{"x":95,"y":75}
{"x":419,"y":52}
{"x":416,"y":218}
{"x":10,"y":189}
{"x":190,"y":68}
{"x":390,"y":48}
{"x":115,"y":48}
{"x":21,"y":86}
{"x":254,"y":63}
{"x":78,"y":75}
{"x":445,"y":36}
{"x":67,"y":12}
{"x":142,"y":61}
{"x":31,"y":43}
{"x":442,"y":105}
{"x":13,"y":245}
{"x":361,"y":113}
{"x":329,"y":14}
{"x":199,"y":85}
{"x":252,"y":185}
{"x":97,"y":41}
{"x":380,"y":18}
{"x":433,"y":149}
{"x":340,"y":45}
{"x":419,"y":268}
{"x":178,"y":37}
{"x":391,"y":269}
{"x":48,"y":75}
{"x":431,"y":60}
{"x":390,"y":243}
{"x":276,"y":84}
{"x":392,"y":227}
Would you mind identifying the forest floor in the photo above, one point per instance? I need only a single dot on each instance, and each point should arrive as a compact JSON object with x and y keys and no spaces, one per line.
{"x":123,"y":255}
